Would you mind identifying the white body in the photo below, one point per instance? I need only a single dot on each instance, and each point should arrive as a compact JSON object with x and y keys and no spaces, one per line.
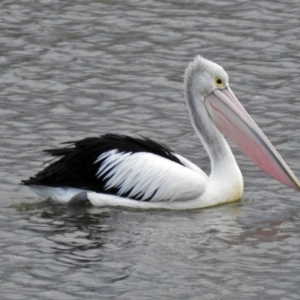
{"x":185,"y":187}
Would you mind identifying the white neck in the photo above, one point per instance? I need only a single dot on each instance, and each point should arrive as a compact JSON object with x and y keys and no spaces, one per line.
{"x":225,"y":180}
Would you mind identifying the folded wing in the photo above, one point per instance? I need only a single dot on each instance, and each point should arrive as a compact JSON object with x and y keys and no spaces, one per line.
{"x":134,"y":168}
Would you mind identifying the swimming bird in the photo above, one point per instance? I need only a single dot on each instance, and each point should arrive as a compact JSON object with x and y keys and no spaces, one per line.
{"x":118,"y":170}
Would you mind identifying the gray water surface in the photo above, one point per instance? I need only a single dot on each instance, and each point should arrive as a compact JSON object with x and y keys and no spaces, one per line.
{"x":71,"y":69}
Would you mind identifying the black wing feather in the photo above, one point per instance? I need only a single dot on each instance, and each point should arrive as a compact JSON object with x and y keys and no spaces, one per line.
{"x":75,"y":164}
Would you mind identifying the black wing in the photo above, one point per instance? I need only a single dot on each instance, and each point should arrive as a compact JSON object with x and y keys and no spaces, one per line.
{"x":78,"y":163}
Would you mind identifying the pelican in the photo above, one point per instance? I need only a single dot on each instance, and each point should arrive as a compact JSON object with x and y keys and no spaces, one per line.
{"x":118,"y":170}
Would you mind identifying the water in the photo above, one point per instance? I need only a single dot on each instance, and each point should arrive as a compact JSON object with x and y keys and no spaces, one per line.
{"x":70,"y":69}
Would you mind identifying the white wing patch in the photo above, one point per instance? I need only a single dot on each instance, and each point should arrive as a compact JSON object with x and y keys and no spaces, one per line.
{"x":148,"y":175}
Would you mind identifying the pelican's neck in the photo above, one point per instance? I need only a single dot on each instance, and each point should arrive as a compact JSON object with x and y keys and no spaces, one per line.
{"x":223,"y":163}
{"x":215,"y":144}
{"x":225,"y":183}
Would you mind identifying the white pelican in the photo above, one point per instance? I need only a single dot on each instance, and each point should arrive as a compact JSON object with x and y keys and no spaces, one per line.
{"x":117,"y":170}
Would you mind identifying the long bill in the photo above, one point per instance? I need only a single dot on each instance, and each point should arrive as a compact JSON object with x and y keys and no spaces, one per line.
{"x":235,"y":123}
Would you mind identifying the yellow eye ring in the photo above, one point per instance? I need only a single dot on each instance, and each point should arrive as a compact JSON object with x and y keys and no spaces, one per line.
{"x":219,"y":82}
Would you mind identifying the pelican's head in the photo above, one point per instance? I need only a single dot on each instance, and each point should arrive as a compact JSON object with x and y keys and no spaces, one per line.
{"x":210,"y":98}
{"x":202,"y":76}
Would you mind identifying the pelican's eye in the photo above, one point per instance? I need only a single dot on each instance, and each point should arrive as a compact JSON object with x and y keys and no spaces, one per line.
{"x":219,"y":82}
